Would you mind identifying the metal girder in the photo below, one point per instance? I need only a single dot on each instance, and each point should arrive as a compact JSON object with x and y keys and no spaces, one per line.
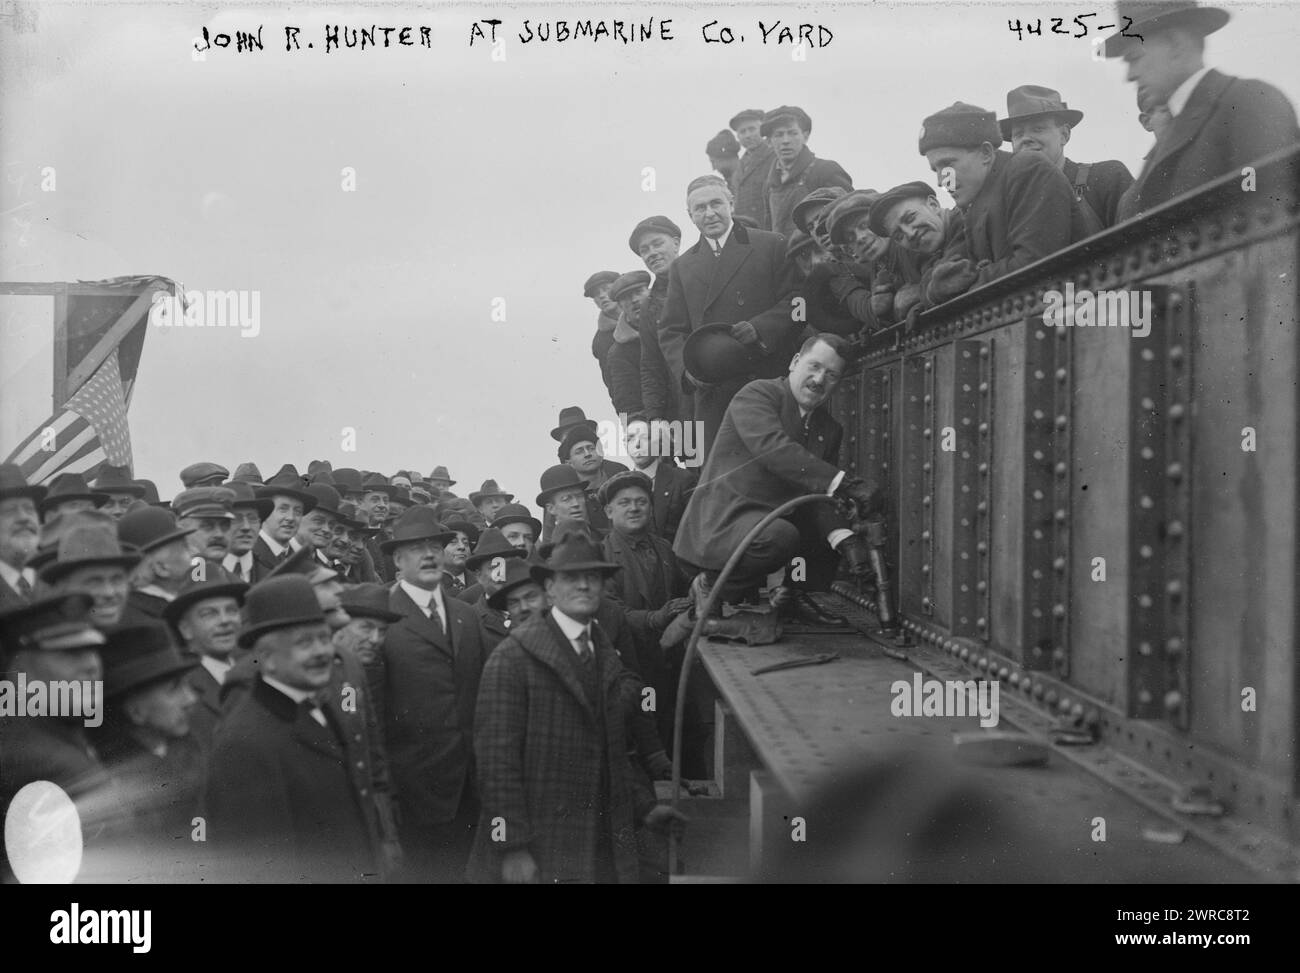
{"x":972,"y":413}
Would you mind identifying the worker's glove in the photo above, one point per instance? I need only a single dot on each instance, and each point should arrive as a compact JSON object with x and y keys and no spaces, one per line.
{"x":664,"y":819}
{"x":907,"y":297}
{"x":868,"y":499}
{"x":950,"y":279}
{"x":659,"y":618}
{"x":744,"y":332}
{"x":882,"y":299}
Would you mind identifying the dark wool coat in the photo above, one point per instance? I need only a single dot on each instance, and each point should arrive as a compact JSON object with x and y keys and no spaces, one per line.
{"x":494,"y":624}
{"x":661,"y":398}
{"x":625,"y":376}
{"x":286,"y":799}
{"x":749,"y":184}
{"x":207,"y":709}
{"x":1106,"y":185}
{"x":601,"y":342}
{"x":759,"y":460}
{"x":1024,"y":211}
{"x":807,"y":173}
{"x":752,"y":281}
{"x":540,"y":751}
{"x":1227,"y":124}
{"x":672,"y":489}
{"x":429,"y":681}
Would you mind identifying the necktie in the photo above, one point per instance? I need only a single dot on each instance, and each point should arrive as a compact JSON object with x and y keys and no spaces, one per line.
{"x":239,"y":571}
{"x":717,"y":250}
{"x":24,"y":587}
{"x":584,"y":645}
{"x":432,"y":612}
{"x":284,"y":554}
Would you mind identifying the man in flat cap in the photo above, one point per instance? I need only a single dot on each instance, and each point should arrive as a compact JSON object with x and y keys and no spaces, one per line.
{"x":749,"y":184}
{"x":735,"y":277}
{"x":920,"y":229}
{"x":723,"y":153}
{"x":20,"y":533}
{"x":289,"y":502}
{"x":1016,"y":209}
{"x":656,"y":240}
{"x":597,"y":289}
{"x":165,"y":562}
{"x":428,"y":673}
{"x":52,"y":641}
{"x":115,"y":482}
{"x":1220,"y":123}
{"x":778,"y":441}
{"x":207,"y":514}
{"x":839,"y":282}
{"x":1039,"y":121}
{"x":204,"y":617}
{"x":204,"y":474}
{"x":289,"y":792}
{"x":91,"y":560}
{"x":795,"y":171}
{"x":631,"y":291}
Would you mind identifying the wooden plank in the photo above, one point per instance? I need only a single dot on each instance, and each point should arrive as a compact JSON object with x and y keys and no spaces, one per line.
{"x":59,"y":392}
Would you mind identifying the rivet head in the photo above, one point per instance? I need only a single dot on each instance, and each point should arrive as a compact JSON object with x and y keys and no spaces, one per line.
{"x":1144,"y":601}
{"x":1174,"y":528}
{"x":1061,"y":422}
{"x":1175,"y":301}
{"x":983,"y":467}
{"x":1061,"y":374}
{"x":1175,"y":471}
{"x":984,"y":428}
{"x":981,"y":586}
{"x":982,"y":662}
{"x":925,"y":535}
{"x":927,"y":433}
{"x":1176,"y":412}
{"x":1059,"y":565}
{"x":885,"y":407}
{"x":1145,"y":551}
{"x":928,"y":365}
{"x":1147,"y":453}
{"x":1148,"y":404}
{"x":925,"y":569}
{"x":1058,"y":654}
{"x":982,"y":506}
{"x":928,"y":398}
{"x":1173,"y":700}
{"x":925,"y":500}
{"x":1060,"y":516}
{"x":1003,"y":673}
{"x":1058,"y":610}
{"x":981,"y":623}
{"x":926,"y":467}
{"x":1050,"y":698}
{"x":1146,"y":503}
{"x":1077,"y":711}
{"x":1038,"y":690}
{"x":1176,"y":353}
{"x":1062,"y":469}
{"x":981,"y":547}
{"x":965,"y":654}
{"x":1148,"y":354}
{"x":1014,"y":679}
{"x":984,"y":351}
{"x":1144,"y":648}
{"x":925,"y":602}
{"x":984,"y":387}
{"x":1092,"y":717}
{"x":1174,"y":588}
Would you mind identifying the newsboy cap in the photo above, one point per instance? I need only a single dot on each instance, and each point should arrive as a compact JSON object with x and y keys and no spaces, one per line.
{"x":722,"y":145}
{"x":786,"y":111}
{"x":624,"y":481}
{"x":629,"y":282}
{"x":748,"y":115}
{"x":652,"y":224}
{"x":881,"y":207}
{"x":961,"y":125}
{"x":205,"y":501}
{"x":844,"y":212}
{"x":56,"y":623}
{"x":598,"y":280}
{"x":204,"y":474}
{"x":818,"y":197}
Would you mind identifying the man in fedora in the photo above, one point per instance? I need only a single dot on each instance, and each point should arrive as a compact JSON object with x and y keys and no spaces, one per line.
{"x":319,"y":527}
{"x":795,"y":171}
{"x":561,"y":801}
{"x":570,"y":416}
{"x":91,"y":560}
{"x":427,"y":674}
{"x":563,"y":499}
{"x":1220,"y":123}
{"x":369,"y":617}
{"x":1016,"y":209}
{"x":488,"y":566}
{"x":347,"y":552}
{"x":520,"y":598}
{"x":148,"y":745}
{"x":583,"y":451}
{"x":656,"y":240}
{"x":630,"y":291}
{"x":749,"y":183}
{"x":519,"y":527}
{"x":207,"y":513}
{"x":68,"y":494}
{"x":204,"y":474}
{"x":440,"y":480}
{"x":115,"y":483}
{"x":597,"y":289}
{"x":249,"y":512}
{"x":735,"y":277}
{"x":53,"y":641}
{"x":165,"y":562}
{"x":20,"y":533}
{"x":204,"y":617}
{"x":777,"y":442}
{"x":289,"y":793}
{"x":290,"y":501}
{"x":150,"y":495}
{"x":489,"y":499}
{"x":1039,"y":121}
{"x":455,"y":572}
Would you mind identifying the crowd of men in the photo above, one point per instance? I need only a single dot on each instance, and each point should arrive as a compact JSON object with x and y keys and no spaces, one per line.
{"x":342,"y":675}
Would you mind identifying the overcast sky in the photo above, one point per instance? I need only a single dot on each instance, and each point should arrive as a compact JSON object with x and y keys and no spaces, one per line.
{"x":476,"y":181}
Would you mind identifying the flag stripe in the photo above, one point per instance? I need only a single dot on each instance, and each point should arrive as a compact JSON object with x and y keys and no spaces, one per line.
{"x":69,"y":451}
{"x":32,"y":443}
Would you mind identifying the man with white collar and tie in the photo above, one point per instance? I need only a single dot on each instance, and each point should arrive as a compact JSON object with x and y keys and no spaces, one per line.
{"x":289,"y":502}
{"x":321,"y":524}
{"x":20,"y":533}
{"x":426,"y":679}
{"x":204,"y":617}
{"x":1220,"y":123}
{"x":249,"y":513}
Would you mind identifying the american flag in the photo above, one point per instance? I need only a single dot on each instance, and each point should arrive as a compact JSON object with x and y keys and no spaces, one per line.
{"x":89,"y":429}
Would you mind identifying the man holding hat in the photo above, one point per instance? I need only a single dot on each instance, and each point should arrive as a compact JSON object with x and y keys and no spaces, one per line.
{"x":597,"y":288}
{"x":289,"y":502}
{"x":427,"y":674}
{"x":115,"y":482}
{"x":656,"y":240}
{"x":1039,"y":121}
{"x":1220,"y":123}
{"x":736,"y":278}
{"x":165,"y":562}
{"x":560,"y":796}
{"x":489,"y":499}
{"x":749,"y":184}
{"x":20,"y":533}
{"x":52,"y":641}
{"x":519,"y":527}
{"x":147,"y":744}
{"x":91,"y":560}
{"x":248,"y":512}
{"x":795,"y":172}
{"x":1016,"y":209}
{"x":289,"y":793}
{"x":204,"y":616}
{"x":68,"y":494}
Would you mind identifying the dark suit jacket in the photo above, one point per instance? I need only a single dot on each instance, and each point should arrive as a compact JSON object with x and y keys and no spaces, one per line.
{"x":624,"y":360}
{"x":207,"y":709}
{"x":494,"y":624}
{"x":660,"y":396}
{"x":672,"y":489}
{"x":429,"y":686}
{"x":287,"y":799}
{"x":806,"y":174}
{"x":1025,"y":211}
{"x":142,"y":608}
{"x":759,"y":460}
{"x":264,"y":561}
{"x":1227,"y":124}
{"x":9,"y":598}
{"x":749,"y":184}
{"x":1107,"y":183}
{"x":751,"y":281}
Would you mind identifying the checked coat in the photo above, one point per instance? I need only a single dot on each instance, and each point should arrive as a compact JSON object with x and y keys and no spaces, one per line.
{"x":540,"y":744}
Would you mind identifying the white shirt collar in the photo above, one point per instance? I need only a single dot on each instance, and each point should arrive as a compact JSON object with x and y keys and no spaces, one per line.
{"x":244,"y":560}
{"x":722,"y":241}
{"x":571,"y":627}
{"x":293,"y":692}
{"x":11,"y":575}
{"x":153,"y":589}
{"x":276,"y":547}
{"x":1178,"y":100}
{"x":423,"y":597}
{"x":217,"y":668}
{"x":653,"y":468}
